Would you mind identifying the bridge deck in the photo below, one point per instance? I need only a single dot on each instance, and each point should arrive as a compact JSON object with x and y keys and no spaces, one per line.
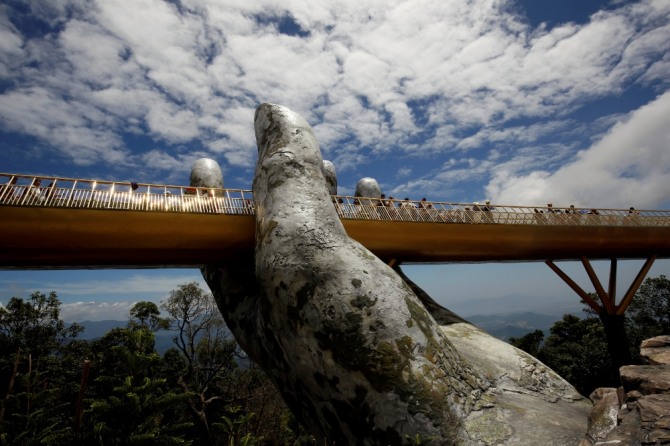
{"x":90,"y":224}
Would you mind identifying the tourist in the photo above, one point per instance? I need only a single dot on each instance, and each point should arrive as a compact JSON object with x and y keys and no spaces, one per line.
{"x":50,"y":190}
{"x":33,"y":193}
{"x":632,"y":217}
{"x":7,"y":190}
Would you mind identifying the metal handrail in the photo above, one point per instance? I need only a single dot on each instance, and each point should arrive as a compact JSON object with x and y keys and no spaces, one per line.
{"x":26,"y":190}
{"x":474,"y":213}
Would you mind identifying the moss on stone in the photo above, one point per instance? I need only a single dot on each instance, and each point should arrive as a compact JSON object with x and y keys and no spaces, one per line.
{"x":345,"y":340}
{"x":486,"y":427}
{"x":304,"y":294}
{"x":421,"y":316}
{"x":385,"y":367}
{"x":363,"y":302}
{"x":434,"y":347}
{"x":405,"y":346}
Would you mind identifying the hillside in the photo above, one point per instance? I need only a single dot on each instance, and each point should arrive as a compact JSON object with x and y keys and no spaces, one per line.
{"x":502,"y":326}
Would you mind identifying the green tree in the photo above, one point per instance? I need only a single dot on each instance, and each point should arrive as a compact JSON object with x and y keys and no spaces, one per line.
{"x":577,"y":350}
{"x":577,"y":347}
{"x":133,"y":405}
{"x":33,"y":341}
{"x":649,"y":312}
{"x":530,"y":343}
{"x":136,"y":413}
{"x":122,"y":353}
{"x":146,"y":314}
{"x":204,"y":362}
{"x":36,"y":413}
{"x":234,"y":426}
{"x":35,"y":326}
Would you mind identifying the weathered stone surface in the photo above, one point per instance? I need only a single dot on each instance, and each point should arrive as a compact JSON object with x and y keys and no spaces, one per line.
{"x":645,"y":417}
{"x":368,"y":187}
{"x":331,"y":176}
{"x":441,"y":315}
{"x":627,"y":433}
{"x":533,"y":405}
{"x":645,"y":421}
{"x":206,"y":173}
{"x":656,"y":342}
{"x":646,"y":379}
{"x":657,"y":356}
{"x":354,"y":352}
{"x":656,"y":350}
{"x":604,"y":415}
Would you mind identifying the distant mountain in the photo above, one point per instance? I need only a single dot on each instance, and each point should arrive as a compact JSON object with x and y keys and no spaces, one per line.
{"x":512,"y":304}
{"x":97,"y":329}
{"x":513,"y":325}
{"x":501,"y":326}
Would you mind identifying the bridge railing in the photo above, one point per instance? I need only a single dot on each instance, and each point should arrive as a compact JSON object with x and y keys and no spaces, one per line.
{"x":474,"y":213}
{"x":24,"y":190}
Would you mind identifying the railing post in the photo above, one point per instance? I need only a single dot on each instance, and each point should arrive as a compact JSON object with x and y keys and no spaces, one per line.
{"x":69,"y":199}
{"x":90,"y":199}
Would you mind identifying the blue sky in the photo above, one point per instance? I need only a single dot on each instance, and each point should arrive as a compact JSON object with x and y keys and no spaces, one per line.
{"x":518,"y":101}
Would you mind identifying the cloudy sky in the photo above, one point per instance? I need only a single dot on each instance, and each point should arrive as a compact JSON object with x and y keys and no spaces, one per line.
{"x":518,"y":101}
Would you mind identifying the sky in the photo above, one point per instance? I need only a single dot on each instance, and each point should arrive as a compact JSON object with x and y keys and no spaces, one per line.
{"x":518,"y":101}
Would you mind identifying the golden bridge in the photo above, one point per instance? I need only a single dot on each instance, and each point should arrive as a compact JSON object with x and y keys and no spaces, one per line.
{"x":51,"y":223}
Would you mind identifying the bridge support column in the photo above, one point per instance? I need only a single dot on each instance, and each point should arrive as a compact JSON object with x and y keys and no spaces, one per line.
{"x":611,"y":314}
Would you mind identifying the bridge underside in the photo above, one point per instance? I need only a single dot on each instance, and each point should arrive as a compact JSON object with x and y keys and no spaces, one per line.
{"x":40,"y":237}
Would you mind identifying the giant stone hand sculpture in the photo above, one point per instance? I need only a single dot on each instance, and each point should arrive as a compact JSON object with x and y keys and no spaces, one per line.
{"x":346,"y":339}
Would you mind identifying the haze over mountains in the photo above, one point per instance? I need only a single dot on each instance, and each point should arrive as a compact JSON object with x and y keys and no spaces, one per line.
{"x":502,"y":317}
{"x":514,"y":303}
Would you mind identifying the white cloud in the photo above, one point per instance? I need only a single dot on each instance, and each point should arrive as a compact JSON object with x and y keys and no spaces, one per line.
{"x":95,"y":311}
{"x":161,"y":160}
{"x":172,"y":123}
{"x":66,"y":125}
{"x":629,"y":166}
{"x":10,"y":45}
{"x":107,"y":296}
{"x":404,"y":172}
{"x":196,"y":72}
{"x":158,"y":284}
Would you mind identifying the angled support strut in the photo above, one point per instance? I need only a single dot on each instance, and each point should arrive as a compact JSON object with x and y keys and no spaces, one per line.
{"x":607,"y":298}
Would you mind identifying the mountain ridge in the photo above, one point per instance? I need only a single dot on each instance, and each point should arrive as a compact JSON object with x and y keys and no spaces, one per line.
{"x":501,"y":326}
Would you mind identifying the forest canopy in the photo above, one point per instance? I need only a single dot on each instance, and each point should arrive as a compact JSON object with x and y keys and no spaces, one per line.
{"x":118,"y":389}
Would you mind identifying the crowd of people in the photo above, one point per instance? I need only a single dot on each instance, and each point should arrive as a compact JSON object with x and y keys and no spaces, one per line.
{"x":30,"y":191}
{"x":390,"y":208}
{"x":386,"y":208}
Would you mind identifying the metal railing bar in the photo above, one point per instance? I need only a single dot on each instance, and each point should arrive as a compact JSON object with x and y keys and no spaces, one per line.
{"x":96,"y":194}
